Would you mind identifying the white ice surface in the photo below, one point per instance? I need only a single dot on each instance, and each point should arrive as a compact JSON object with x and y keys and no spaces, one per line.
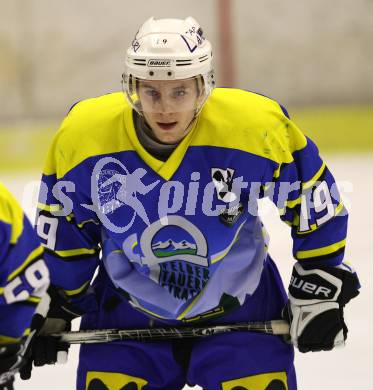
{"x":344,"y":369}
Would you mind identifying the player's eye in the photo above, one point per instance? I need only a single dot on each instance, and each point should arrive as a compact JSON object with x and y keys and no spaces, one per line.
{"x":152,"y":93}
{"x":179,"y":92}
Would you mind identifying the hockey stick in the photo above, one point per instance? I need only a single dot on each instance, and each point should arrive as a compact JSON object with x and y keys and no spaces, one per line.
{"x":275,"y":327}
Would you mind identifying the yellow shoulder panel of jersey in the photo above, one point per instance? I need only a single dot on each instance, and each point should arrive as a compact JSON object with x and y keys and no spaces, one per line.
{"x":11,"y":213}
{"x":246,"y":121}
{"x":93,"y":127}
{"x":231,"y":118}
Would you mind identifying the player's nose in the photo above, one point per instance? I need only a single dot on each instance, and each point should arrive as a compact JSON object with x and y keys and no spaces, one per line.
{"x":166,"y":105}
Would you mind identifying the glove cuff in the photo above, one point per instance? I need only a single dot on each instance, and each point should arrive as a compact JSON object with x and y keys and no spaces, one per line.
{"x":61,"y":305}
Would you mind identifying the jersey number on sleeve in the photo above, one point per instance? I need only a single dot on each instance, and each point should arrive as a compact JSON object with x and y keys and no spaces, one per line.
{"x":47,"y":229}
{"x":322,"y":201}
{"x":36,"y":276}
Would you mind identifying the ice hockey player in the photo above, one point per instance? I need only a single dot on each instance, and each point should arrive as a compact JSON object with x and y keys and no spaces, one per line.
{"x":24,"y":279}
{"x":158,"y":188}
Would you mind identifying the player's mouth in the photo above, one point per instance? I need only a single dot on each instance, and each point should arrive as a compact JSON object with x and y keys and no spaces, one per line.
{"x":167,"y":125}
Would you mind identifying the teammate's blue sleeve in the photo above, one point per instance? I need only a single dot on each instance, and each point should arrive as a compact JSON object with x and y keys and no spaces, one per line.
{"x":305,"y":192}
{"x":24,"y":276}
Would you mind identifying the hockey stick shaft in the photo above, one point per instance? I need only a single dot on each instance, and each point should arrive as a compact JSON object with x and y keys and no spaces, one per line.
{"x":275,"y":327}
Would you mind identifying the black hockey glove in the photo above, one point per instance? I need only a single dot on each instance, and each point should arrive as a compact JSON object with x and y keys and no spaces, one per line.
{"x":11,"y":360}
{"x":8,"y":385}
{"x":55,"y":316}
{"x":315,"y":306}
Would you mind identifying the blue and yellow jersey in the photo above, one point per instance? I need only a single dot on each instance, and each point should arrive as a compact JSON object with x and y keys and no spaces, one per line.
{"x":24,"y":276}
{"x":181,"y":237}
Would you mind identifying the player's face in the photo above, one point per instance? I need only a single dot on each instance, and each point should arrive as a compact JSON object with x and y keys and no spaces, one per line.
{"x":169,"y":107}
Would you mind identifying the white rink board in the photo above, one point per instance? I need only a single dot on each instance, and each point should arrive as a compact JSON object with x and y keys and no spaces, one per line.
{"x":344,"y":369}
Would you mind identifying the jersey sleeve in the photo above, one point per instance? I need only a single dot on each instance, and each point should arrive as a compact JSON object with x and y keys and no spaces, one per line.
{"x":69,"y":232}
{"x":24,"y":276}
{"x":305,"y":192}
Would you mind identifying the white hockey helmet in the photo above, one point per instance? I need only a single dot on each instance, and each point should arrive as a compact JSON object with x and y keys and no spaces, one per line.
{"x":168,"y":49}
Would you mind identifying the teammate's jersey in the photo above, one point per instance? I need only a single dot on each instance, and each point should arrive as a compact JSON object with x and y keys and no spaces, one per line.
{"x":24,"y":276}
{"x":181,"y":239}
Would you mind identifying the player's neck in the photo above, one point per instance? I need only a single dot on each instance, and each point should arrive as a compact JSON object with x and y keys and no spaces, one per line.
{"x":156,"y":148}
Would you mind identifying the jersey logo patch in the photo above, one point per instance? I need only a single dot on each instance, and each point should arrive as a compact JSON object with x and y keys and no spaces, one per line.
{"x":223,"y":181}
{"x":230,"y":215}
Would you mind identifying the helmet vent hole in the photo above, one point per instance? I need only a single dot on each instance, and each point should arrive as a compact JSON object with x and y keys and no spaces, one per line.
{"x":151,"y":73}
{"x":169,"y":73}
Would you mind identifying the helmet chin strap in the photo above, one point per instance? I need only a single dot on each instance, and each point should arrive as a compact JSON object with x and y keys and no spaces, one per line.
{"x":198,"y":109}
{"x":196,"y":112}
